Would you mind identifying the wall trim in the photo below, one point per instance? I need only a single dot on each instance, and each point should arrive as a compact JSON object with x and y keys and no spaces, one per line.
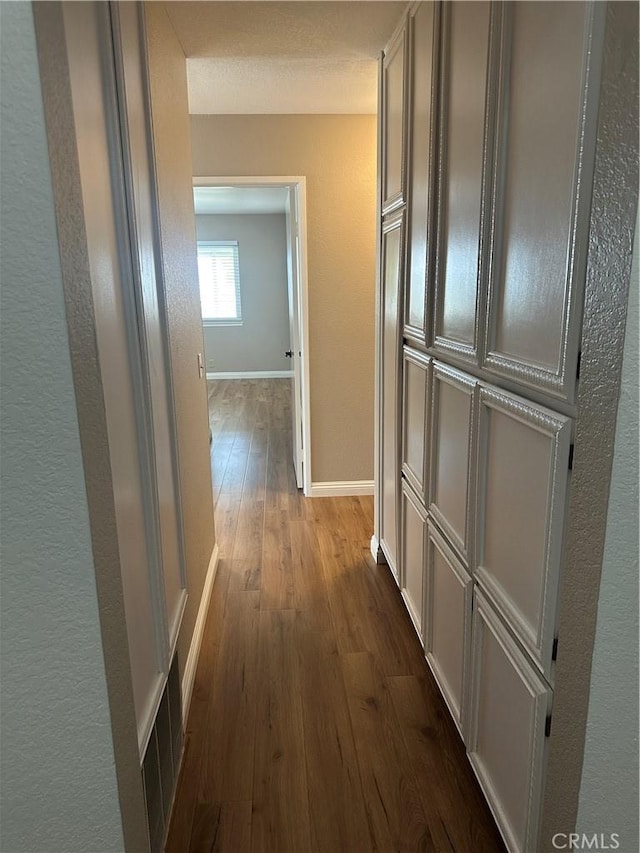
{"x":608,"y":273}
{"x":376,"y":551}
{"x":252,"y":374}
{"x":198,"y":631}
{"x":341,"y":488}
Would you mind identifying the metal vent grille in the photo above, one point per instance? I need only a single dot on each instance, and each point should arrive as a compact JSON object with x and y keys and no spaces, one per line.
{"x":161,"y":762}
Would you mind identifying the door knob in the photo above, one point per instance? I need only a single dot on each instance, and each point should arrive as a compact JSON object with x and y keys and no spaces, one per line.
{"x":289,"y":353}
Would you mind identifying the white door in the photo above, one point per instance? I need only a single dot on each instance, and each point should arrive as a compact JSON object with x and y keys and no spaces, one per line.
{"x":391,"y":277}
{"x":507,"y":727}
{"x":293,"y":292}
{"x":86,"y":34}
{"x":150,"y":317}
{"x":447,"y":622}
{"x":413,"y":526}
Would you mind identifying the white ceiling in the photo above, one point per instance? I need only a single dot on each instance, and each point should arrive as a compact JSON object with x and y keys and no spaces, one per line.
{"x":213,"y":200}
{"x":293,"y":57}
{"x":312,"y":30}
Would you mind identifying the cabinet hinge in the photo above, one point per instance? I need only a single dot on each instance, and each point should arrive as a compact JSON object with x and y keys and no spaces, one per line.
{"x":571,"y":446}
{"x":547,"y":726}
{"x":578,"y":360}
{"x":554,"y":649}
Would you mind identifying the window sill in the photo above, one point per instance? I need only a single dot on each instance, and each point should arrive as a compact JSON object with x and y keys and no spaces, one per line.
{"x":213,"y":323}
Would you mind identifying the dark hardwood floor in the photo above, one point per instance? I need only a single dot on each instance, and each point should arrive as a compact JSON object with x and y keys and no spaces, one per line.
{"x":315,"y":724}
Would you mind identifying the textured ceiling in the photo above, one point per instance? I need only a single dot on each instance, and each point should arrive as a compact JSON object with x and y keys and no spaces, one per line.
{"x":209,"y":200}
{"x":339,"y":30}
{"x":272,"y":57}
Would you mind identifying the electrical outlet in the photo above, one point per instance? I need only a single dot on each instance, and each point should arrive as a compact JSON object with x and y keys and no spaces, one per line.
{"x":211,"y":362}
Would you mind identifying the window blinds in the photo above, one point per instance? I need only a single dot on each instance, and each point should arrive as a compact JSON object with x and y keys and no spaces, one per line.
{"x":219,"y":276}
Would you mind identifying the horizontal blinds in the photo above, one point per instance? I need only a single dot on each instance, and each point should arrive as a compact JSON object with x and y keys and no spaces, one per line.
{"x":219,"y":276}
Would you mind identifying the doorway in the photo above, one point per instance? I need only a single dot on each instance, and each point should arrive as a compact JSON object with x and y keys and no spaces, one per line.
{"x":262,"y":195}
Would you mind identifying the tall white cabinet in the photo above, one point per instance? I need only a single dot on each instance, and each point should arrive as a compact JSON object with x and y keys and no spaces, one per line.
{"x":106,"y":53}
{"x":487,"y":144}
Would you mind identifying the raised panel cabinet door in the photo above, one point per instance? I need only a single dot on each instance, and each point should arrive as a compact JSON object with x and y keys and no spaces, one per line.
{"x":523,"y":461}
{"x":547,"y":109}
{"x":449,"y":592}
{"x":414,"y":521}
{"x":452,"y":454}
{"x":151,"y":316}
{"x":91,"y":75}
{"x":391,"y":270}
{"x":465,"y":58}
{"x":415,"y":420}
{"x":423,"y":39}
{"x":393,"y":122}
{"x":506,"y":736}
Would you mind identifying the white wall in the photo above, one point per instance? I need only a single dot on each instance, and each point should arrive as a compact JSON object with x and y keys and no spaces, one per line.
{"x":262,"y":339}
{"x":609,"y":789}
{"x":58,"y":782}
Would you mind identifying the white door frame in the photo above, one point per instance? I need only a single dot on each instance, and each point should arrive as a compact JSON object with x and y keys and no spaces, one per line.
{"x":293,"y":274}
{"x":298,"y":183}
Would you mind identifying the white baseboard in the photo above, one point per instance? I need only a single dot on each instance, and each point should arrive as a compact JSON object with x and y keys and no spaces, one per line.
{"x":376,"y":551}
{"x":252,"y":374}
{"x":341,"y":488}
{"x":196,"y":641}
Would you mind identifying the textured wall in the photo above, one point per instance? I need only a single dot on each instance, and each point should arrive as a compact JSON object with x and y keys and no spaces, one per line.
{"x":168,"y":78}
{"x":262,"y":339}
{"x":337,"y":154}
{"x":59,"y":790}
{"x":611,"y":229}
{"x":611,"y":744}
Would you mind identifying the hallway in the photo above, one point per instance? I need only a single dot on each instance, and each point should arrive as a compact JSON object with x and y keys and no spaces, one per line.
{"x":315,"y":723}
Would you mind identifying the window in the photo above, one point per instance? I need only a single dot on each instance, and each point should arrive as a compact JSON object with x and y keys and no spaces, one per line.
{"x":219,"y":276}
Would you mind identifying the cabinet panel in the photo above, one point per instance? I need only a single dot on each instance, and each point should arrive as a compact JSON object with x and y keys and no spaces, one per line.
{"x":391,"y":271}
{"x":448,"y":624}
{"x":393,"y":123}
{"x":506,"y":738}
{"x":523,"y":472}
{"x":542,"y":198}
{"x":415,"y":419}
{"x":151,"y":316}
{"x":87,"y":31}
{"x":452,"y":424}
{"x":414,"y":518}
{"x":423,"y":28}
{"x":465,"y":56}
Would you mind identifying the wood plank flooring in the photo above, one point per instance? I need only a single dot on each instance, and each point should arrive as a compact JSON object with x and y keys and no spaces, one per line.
{"x":315,"y":724}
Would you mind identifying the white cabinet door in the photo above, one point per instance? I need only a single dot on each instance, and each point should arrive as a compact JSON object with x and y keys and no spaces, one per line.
{"x":548,"y":101}
{"x":87,"y":34}
{"x":452,"y":427}
{"x":523,"y":460}
{"x":506,"y":733}
{"x":449,"y":592}
{"x":391,"y":277}
{"x":414,"y":519}
{"x":144,"y":232}
{"x":393,"y":123}
{"x":465,"y":57}
{"x":415,"y":420}
{"x":423,"y":54}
